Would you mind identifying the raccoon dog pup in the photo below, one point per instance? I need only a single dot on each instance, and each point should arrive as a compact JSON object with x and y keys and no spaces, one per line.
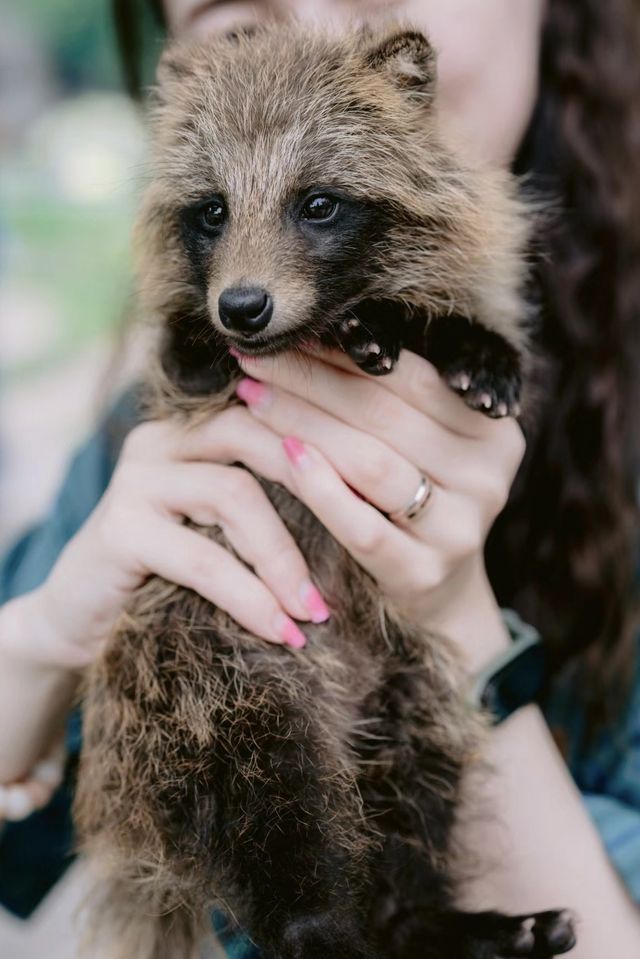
{"x":300,"y":190}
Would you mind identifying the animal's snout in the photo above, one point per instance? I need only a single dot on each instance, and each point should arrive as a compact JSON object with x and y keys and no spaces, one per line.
{"x":246,"y":309}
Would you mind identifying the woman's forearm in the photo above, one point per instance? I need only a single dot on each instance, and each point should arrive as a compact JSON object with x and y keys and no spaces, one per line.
{"x":540,"y":846}
{"x":35,"y":696}
{"x":528,"y":830}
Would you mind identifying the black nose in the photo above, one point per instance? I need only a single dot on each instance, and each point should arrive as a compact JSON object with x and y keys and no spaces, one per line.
{"x":247,"y":309}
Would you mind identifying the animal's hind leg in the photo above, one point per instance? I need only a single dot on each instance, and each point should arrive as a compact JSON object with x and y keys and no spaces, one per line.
{"x":412,"y":787}
{"x":412,"y":761}
{"x":297,"y":845}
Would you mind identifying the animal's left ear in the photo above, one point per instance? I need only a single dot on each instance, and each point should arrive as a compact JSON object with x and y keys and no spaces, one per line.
{"x":409,"y":60}
{"x":174,"y":66}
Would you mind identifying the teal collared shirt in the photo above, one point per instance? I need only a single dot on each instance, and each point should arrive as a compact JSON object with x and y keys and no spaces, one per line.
{"x":35,"y":853}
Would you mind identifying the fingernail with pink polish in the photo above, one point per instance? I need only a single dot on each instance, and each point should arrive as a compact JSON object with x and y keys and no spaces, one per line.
{"x":254,"y":394}
{"x":310,"y":596}
{"x":296,"y":452}
{"x":289,"y":633}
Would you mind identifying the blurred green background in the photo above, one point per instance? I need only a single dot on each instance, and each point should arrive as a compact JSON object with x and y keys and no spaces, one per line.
{"x":70,"y":145}
{"x":78,"y":38}
{"x":71,"y":159}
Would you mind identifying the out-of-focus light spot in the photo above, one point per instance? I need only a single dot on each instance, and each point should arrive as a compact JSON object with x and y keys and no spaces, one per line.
{"x":91,"y":148}
{"x":91,"y":173}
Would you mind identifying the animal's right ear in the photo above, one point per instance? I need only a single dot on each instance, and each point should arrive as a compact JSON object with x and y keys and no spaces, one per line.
{"x":408,"y":59}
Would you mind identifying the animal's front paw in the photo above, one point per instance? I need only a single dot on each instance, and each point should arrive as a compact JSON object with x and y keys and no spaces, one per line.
{"x":372,"y":333}
{"x":495,"y":396}
{"x":370,"y":349}
{"x":478,"y":364}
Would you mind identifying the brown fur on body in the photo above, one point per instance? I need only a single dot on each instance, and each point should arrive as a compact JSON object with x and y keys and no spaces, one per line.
{"x":311,"y":793}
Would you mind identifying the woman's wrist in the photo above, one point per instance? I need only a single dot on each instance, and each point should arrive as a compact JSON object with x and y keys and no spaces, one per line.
{"x":31,"y":639}
{"x":467,"y":613}
{"x":36,"y":687}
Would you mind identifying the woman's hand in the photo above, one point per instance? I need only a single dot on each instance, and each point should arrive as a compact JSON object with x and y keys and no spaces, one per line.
{"x":358,"y":448}
{"x":365,"y":445}
{"x":166,"y":473}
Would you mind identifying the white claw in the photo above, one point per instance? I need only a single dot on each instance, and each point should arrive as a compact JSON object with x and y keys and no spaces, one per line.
{"x":566,"y":916}
{"x":461,"y":381}
{"x":352,"y":323}
{"x":373,"y":349}
{"x":502,"y":409}
{"x":387,"y":363}
{"x":486,"y":401}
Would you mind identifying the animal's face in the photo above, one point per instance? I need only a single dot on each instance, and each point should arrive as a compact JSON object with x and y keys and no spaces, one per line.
{"x":299,"y":178}
{"x":284,"y":163}
{"x":277,"y":264}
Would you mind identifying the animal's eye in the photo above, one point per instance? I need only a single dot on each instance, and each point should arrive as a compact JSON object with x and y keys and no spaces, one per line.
{"x":212,"y":215}
{"x":320,"y":207}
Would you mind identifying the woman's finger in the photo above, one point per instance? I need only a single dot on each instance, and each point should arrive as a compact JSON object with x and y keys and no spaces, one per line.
{"x":404,"y":563}
{"x":384,"y":473}
{"x":368,"y":465}
{"x":413,"y":379}
{"x":217,"y":439}
{"x":343,"y":392}
{"x":225,"y":496}
{"x":419,"y":384}
{"x":412,"y":554}
{"x":187,"y":558}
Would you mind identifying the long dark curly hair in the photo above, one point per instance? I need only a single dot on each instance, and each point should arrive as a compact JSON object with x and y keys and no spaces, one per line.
{"x":565,"y":550}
